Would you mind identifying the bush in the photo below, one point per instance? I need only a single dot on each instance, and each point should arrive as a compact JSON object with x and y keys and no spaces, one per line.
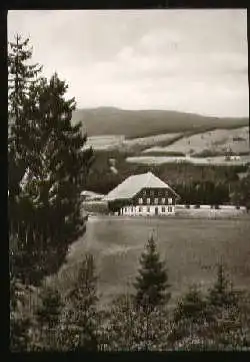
{"x":128,"y":327}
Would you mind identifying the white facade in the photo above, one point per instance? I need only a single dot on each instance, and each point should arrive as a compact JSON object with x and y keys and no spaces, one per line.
{"x":148,"y":210}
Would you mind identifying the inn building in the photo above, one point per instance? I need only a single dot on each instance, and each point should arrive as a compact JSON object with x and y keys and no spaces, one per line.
{"x":143,"y":194}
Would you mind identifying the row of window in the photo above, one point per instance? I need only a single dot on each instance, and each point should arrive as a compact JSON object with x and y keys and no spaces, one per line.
{"x":156,"y":201}
{"x":152,"y":192}
{"x":163,"y":209}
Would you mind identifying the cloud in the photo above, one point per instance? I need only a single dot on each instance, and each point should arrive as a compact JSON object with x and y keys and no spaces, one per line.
{"x":194,"y":61}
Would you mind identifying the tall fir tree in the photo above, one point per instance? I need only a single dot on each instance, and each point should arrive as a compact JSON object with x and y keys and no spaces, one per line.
{"x":47,"y":167}
{"x":22,"y":77}
{"x":51,"y":186}
{"x":81,"y":317}
{"x":151,"y":283}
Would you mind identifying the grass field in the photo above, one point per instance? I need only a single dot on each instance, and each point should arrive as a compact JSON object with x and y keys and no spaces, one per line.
{"x":217,"y":161}
{"x":119,"y":143}
{"x":190,"y":247}
{"x":216,"y":141}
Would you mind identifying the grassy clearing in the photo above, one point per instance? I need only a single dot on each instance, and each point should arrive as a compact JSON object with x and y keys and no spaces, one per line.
{"x":191,"y":248}
{"x":213,"y":141}
{"x":119,"y":143}
{"x":203,"y":161}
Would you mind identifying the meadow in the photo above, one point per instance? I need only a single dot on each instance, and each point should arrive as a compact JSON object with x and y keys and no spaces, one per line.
{"x":216,"y":142}
{"x":191,"y":248}
{"x":217,"y":161}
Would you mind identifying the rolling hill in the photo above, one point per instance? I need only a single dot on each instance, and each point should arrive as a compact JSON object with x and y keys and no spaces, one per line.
{"x":142,"y":123}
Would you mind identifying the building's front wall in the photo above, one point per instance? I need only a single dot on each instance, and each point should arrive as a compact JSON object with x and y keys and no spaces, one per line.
{"x":151,"y":201}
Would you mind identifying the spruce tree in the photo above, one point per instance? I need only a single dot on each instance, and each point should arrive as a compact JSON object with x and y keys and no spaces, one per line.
{"x":47,"y":170}
{"x":221,"y":295}
{"x":81,"y":315}
{"x":192,"y":306}
{"x":50,"y":197}
{"x":189,"y":316}
{"x":22,"y":77}
{"x":151,"y":283}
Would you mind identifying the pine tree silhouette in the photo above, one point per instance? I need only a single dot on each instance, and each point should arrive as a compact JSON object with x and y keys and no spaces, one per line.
{"x":151,"y":283}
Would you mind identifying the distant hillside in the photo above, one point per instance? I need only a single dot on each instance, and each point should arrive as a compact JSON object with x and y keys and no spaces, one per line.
{"x":142,"y":123}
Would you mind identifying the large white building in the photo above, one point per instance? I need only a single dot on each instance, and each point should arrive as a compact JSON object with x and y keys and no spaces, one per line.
{"x":143,"y":194}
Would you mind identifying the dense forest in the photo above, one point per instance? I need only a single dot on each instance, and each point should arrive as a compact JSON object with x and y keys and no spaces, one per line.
{"x":213,"y":185}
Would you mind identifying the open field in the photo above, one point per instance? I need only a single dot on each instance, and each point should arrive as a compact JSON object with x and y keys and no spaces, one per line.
{"x":217,"y":141}
{"x":190,"y":247}
{"x":203,"y":161}
{"x":118,"y":142}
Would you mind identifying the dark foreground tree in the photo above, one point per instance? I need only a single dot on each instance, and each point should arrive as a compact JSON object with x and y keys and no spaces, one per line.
{"x":47,"y":170}
{"x":151,"y":283}
{"x":50,"y":217}
{"x":22,"y":77}
{"x":80,"y":318}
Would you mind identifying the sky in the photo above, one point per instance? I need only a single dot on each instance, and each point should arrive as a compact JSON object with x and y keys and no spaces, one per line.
{"x":184,"y":60}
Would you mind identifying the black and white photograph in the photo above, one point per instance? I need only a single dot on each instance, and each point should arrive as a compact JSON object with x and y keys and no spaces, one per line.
{"x":128,"y":180}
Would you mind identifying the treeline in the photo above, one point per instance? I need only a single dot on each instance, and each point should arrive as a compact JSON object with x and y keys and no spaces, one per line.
{"x":195,"y":184}
{"x":141,"y":321}
{"x":208,"y":193}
